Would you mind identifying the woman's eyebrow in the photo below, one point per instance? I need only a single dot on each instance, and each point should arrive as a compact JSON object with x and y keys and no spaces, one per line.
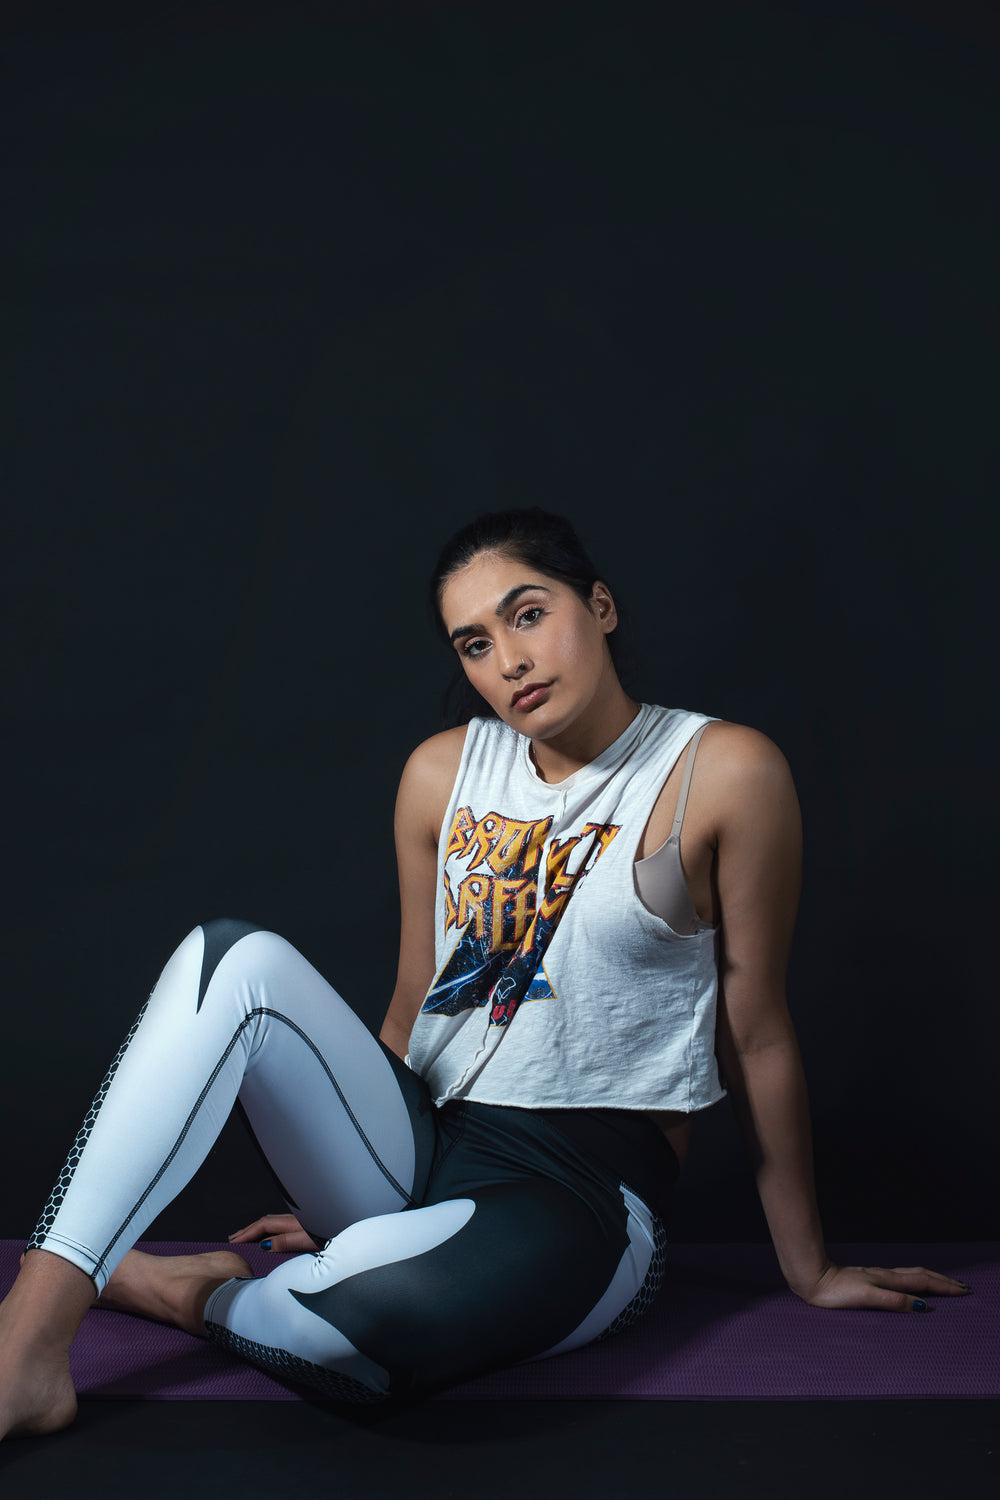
{"x":501,"y":609}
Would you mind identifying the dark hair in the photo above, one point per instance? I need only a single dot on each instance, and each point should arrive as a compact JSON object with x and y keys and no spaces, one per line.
{"x":542,"y":541}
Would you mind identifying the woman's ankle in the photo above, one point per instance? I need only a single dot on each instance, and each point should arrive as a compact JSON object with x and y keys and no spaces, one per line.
{"x":48,"y":1300}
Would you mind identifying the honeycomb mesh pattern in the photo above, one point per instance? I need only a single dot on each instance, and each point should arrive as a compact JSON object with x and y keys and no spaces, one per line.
{"x":58,"y":1193}
{"x":285,"y":1366}
{"x":643,"y":1298}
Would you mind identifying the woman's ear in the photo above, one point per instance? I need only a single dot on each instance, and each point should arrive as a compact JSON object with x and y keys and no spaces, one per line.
{"x":603,"y":606}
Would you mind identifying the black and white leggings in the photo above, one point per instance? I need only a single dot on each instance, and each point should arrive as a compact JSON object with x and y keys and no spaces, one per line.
{"x":456,"y":1240}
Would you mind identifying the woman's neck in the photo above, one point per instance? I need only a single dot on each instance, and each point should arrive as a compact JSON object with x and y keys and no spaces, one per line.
{"x":607,"y":717}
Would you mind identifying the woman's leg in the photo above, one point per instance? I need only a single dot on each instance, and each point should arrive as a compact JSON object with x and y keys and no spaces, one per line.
{"x":521,"y":1248}
{"x":487,"y":1272}
{"x":238,"y":1013}
{"x":38,"y":1321}
{"x":235,"y":1010}
{"x":405,"y":1304}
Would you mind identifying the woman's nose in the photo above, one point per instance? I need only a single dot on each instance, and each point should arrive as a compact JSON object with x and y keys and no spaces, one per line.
{"x":513,"y":662}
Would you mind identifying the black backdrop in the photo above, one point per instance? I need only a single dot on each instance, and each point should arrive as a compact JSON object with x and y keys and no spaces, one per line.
{"x":290,"y":293}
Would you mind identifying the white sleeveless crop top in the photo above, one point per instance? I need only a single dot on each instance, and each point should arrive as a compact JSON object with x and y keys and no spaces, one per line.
{"x":556,"y":986}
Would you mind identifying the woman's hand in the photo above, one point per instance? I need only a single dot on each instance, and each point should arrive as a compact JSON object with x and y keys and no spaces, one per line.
{"x":280,"y":1233}
{"x":900,"y":1289}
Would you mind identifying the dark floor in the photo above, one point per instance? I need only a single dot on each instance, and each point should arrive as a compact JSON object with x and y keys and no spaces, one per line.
{"x":517,"y":1450}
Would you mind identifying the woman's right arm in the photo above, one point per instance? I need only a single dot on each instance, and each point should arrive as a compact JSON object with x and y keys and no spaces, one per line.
{"x":424,"y":790}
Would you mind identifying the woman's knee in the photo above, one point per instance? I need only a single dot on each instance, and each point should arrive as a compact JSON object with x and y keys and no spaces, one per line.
{"x":188,"y":973}
{"x":197,"y":960}
{"x":219,"y":935}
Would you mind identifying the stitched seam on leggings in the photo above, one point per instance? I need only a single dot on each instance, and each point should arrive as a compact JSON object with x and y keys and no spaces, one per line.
{"x":436,"y":1166}
{"x":407,"y":1198}
{"x":247,"y":1021}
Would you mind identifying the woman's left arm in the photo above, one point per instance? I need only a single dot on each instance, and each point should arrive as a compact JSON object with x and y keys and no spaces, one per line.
{"x":759,"y":874}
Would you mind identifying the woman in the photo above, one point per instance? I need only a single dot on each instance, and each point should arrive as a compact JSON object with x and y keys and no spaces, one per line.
{"x":490,"y":1181}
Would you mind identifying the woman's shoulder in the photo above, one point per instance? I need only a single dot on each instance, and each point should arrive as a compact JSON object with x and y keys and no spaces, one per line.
{"x":738,"y":765}
{"x":430,"y":771}
{"x":738,"y":747}
{"x":426,"y":783}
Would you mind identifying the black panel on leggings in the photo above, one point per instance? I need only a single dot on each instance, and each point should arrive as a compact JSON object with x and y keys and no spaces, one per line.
{"x":420,"y":1108}
{"x":220,"y":935}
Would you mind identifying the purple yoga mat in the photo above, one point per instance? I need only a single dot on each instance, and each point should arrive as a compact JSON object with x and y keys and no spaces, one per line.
{"x":723,"y":1328}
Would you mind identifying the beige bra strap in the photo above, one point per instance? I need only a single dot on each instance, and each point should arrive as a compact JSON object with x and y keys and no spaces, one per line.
{"x":692,"y":751}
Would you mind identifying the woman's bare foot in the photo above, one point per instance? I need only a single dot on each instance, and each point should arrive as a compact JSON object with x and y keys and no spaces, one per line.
{"x":171,"y":1288}
{"x":38,"y":1319}
{"x":43,"y":1310}
{"x":38,"y":1395}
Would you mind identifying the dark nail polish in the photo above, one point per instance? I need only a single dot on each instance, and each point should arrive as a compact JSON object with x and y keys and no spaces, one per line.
{"x":920,"y":1307}
{"x":266,"y":1245}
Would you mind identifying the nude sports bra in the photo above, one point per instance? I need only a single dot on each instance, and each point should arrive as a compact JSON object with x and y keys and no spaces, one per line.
{"x":659,"y":878}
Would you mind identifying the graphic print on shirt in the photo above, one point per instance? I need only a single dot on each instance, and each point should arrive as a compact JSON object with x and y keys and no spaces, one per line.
{"x":503,"y":928}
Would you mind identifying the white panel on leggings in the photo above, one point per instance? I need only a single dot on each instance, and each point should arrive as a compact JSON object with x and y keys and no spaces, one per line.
{"x":385,"y":1239}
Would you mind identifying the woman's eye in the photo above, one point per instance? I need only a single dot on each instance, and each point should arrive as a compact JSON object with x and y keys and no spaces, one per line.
{"x":474,"y":648}
{"x":530,"y":615}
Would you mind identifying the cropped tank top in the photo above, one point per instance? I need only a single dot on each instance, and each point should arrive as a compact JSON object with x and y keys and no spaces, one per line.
{"x":556,"y":986}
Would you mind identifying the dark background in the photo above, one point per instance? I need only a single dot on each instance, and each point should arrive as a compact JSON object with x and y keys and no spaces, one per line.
{"x":290,"y":293}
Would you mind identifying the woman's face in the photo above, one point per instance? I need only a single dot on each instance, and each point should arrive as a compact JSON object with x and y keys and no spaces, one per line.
{"x":528,"y":643}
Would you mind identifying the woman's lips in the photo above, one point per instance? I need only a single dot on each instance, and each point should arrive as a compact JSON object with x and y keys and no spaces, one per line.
{"x":529,"y":697}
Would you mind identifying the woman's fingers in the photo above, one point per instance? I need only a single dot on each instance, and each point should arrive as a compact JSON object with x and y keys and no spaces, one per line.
{"x":886,"y":1288}
{"x":885,"y":1300}
{"x":278,"y":1232}
{"x":918,"y":1280}
{"x":292,"y":1243}
{"x":261,"y":1227}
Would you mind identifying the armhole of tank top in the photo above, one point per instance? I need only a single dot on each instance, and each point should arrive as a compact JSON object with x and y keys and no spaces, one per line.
{"x":682,"y":796}
{"x":662,"y":883}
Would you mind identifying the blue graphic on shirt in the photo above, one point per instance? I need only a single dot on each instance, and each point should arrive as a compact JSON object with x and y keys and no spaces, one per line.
{"x":504,"y":929}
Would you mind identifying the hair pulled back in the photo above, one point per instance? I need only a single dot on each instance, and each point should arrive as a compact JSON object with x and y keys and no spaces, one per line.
{"x":542,"y":541}
{"x":537,"y":538}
